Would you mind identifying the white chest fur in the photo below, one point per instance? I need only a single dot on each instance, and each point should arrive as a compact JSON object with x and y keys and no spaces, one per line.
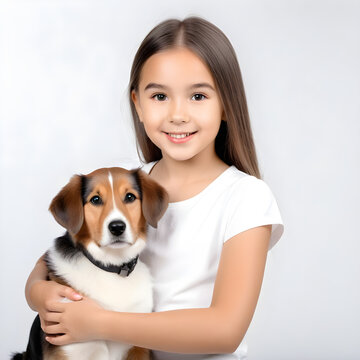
{"x":111,"y":291}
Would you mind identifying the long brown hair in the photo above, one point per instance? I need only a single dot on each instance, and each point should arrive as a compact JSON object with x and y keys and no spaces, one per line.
{"x":234,"y":143}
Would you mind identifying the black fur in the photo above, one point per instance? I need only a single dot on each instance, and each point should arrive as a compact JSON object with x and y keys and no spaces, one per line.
{"x":137,"y":182}
{"x":18,"y":356}
{"x":85,"y":189}
{"x":65,"y":246}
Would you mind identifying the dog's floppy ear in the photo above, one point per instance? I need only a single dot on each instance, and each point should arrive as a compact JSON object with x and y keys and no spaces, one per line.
{"x":67,"y":206}
{"x":155,"y":199}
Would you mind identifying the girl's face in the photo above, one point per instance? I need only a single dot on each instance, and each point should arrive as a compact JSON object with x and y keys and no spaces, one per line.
{"x":178,"y":103}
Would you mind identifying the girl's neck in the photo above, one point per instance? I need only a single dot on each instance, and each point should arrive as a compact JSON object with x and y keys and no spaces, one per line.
{"x":169,"y":170}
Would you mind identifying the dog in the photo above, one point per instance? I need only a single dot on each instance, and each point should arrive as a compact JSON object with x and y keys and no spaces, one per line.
{"x":105,"y":214}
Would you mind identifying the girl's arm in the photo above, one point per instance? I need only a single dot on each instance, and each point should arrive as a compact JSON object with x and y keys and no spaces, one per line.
{"x":38,"y":274}
{"x":39,"y":292}
{"x":217,"y":329}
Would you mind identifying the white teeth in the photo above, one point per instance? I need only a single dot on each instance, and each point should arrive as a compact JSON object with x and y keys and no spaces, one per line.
{"x":179,"y":136}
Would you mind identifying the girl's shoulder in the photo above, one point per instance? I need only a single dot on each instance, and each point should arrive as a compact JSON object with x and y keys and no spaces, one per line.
{"x":251,"y":203}
{"x":239,"y":183}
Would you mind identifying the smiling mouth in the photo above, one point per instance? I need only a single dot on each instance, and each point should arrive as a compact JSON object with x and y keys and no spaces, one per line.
{"x":180,"y":135}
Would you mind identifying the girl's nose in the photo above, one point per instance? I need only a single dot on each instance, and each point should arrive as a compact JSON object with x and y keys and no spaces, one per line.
{"x":178,"y":112}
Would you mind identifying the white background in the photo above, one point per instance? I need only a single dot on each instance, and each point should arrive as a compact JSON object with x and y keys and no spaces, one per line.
{"x":64,"y":69}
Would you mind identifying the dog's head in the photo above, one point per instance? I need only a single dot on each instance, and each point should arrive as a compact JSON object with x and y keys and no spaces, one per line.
{"x":107,"y":211}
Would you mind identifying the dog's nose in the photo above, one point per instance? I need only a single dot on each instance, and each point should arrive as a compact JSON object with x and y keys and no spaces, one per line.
{"x":117,"y":227}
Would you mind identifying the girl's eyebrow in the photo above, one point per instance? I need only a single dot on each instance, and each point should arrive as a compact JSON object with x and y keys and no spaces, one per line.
{"x":164,"y":87}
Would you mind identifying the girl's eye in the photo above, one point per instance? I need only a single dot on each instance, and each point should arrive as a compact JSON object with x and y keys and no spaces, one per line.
{"x":199,"y":97}
{"x":96,"y":200}
{"x":160,"y":97}
{"x":129,"y":198}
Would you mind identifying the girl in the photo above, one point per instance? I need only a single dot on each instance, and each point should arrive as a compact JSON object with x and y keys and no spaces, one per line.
{"x":208,"y":254}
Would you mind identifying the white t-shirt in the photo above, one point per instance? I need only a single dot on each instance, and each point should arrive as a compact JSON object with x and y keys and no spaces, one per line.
{"x":183,"y":253}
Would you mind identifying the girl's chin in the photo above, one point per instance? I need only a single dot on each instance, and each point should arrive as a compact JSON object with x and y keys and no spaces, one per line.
{"x":179,"y":156}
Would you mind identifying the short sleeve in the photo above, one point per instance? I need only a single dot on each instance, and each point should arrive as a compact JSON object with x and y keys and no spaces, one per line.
{"x":252,"y":204}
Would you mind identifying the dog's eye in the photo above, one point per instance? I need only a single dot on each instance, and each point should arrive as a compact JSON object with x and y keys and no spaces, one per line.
{"x":129,"y":198}
{"x":96,"y":200}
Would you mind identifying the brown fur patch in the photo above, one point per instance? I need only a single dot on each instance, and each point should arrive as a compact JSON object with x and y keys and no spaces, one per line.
{"x":67,"y":207}
{"x":155,"y":199}
{"x":137,"y":353}
{"x":58,"y":279}
{"x":52,"y":352}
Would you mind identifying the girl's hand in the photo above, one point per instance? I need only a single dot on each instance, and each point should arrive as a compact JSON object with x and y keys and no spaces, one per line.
{"x":73,"y":322}
{"x":43,"y":293}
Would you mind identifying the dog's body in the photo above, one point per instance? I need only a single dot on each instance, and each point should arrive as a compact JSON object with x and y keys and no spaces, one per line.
{"x":110,"y":290}
{"x":105,"y":214}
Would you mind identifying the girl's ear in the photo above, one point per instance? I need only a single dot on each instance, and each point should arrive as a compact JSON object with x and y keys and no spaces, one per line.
{"x":135,"y":100}
{"x":67,"y":206}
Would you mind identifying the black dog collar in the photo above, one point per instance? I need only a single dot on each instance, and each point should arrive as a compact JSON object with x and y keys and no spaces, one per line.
{"x":123,"y":270}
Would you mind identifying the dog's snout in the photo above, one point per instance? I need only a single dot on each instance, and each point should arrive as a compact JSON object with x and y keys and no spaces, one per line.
{"x":117,"y":227}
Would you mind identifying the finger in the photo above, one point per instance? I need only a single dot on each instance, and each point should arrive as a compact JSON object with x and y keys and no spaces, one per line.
{"x":48,"y":323}
{"x":70,"y":293}
{"x":55,"y":306}
{"x":59,"y":340}
{"x":44,"y":324}
{"x":54,"y":329}
{"x":52,"y":317}
{"x":43,"y":321}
